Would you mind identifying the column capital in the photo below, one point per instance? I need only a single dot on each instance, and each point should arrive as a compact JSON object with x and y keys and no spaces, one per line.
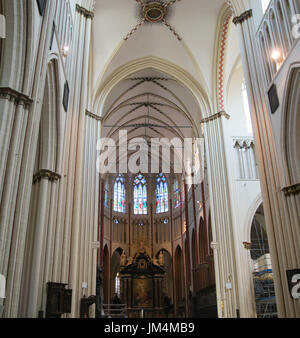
{"x":243,"y":17}
{"x":214,"y":245}
{"x":13,"y":95}
{"x":215,"y":117}
{"x":46,"y":175}
{"x":292,"y":189}
{"x":247,"y":245}
{"x":94,"y":116}
{"x":81,"y":10}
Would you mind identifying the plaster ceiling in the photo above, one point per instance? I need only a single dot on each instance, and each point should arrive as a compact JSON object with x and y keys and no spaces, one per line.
{"x":195,"y":21}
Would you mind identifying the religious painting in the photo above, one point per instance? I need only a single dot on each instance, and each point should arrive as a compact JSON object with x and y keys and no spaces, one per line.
{"x":142,"y":292}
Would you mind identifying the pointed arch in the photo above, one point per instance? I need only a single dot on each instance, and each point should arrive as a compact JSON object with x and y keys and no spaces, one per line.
{"x":177,"y":194}
{"x":106,"y":279}
{"x":162,"y":194}
{"x":140,"y":200}
{"x":120,"y":195}
{"x":291,"y":125}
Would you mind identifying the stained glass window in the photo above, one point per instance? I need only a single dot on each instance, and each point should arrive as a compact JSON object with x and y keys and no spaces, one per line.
{"x":106,"y":195}
{"x":162,"y":196}
{"x":118,"y":285}
{"x":140,"y":195}
{"x":176,"y":195}
{"x":119,"y":195}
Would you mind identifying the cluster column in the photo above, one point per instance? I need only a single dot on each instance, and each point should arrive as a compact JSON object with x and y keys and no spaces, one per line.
{"x":223,"y":236}
{"x":281,"y":207}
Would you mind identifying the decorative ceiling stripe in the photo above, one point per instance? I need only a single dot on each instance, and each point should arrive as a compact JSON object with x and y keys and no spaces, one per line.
{"x":154,"y":12}
{"x":221,"y":63}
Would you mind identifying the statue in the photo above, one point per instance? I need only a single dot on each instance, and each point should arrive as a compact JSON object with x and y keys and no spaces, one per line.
{"x":142,"y":249}
{"x":123,"y":259}
{"x":161,"y":258}
{"x":155,"y":261}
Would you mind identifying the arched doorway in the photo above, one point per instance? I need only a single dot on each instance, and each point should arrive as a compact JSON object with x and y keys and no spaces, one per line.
{"x":115,"y":276}
{"x":262,"y":268}
{"x":202,"y":241}
{"x":106,"y":275}
{"x":179,"y":282}
{"x":167,"y":284}
{"x":292,"y":121}
{"x":204,"y":302}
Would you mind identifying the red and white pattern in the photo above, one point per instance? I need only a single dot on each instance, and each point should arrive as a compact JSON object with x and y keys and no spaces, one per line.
{"x":221,"y":63}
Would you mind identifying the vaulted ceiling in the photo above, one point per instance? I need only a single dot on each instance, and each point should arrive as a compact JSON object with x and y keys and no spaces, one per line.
{"x":149,"y":103}
{"x":188,"y":41}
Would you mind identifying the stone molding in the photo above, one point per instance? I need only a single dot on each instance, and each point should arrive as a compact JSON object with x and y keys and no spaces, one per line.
{"x":215,"y":117}
{"x":18,"y":98}
{"x":93,"y":116}
{"x":243,"y":17}
{"x":81,"y":10}
{"x":247,"y":245}
{"x":46,"y":175}
{"x":240,"y":142}
{"x":292,"y":189}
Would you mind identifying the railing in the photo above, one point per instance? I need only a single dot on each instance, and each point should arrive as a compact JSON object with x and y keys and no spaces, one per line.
{"x":114,"y":310}
{"x":275,"y":35}
{"x":149,"y":313}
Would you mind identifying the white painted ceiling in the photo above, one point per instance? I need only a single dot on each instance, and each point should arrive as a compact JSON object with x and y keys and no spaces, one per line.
{"x":194,"y":20}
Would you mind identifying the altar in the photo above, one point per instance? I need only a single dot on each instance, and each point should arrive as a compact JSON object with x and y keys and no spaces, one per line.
{"x":141,"y":286}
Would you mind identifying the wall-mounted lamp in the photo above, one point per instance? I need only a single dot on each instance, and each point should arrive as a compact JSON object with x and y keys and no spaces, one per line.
{"x":277,"y":57}
{"x":65,"y":50}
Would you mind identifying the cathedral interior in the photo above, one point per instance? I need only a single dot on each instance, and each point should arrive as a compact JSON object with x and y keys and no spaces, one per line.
{"x":150,"y":162}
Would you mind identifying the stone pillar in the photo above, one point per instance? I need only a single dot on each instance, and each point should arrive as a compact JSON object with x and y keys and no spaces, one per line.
{"x":78,"y":107}
{"x":195,"y":229}
{"x":45,"y":189}
{"x":225,"y":264}
{"x":280,"y":207}
{"x":173,"y":258}
{"x":25,"y":80}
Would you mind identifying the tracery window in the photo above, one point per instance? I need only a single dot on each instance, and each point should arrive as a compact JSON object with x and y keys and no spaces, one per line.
{"x":176,"y":194}
{"x":162,"y":196}
{"x":106,"y":195}
{"x":140,"y":195}
{"x":118,"y":285}
{"x":120,"y":195}
{"x":247,"y":107}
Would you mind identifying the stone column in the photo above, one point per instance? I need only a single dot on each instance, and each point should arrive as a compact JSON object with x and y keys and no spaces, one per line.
{"x":79,"y":105}
{"x":18,"y":162}
{"x":173,"y":258}
{"x":45,"y":181}
{"x":281,"y":208}
{"x":225,"y":263}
